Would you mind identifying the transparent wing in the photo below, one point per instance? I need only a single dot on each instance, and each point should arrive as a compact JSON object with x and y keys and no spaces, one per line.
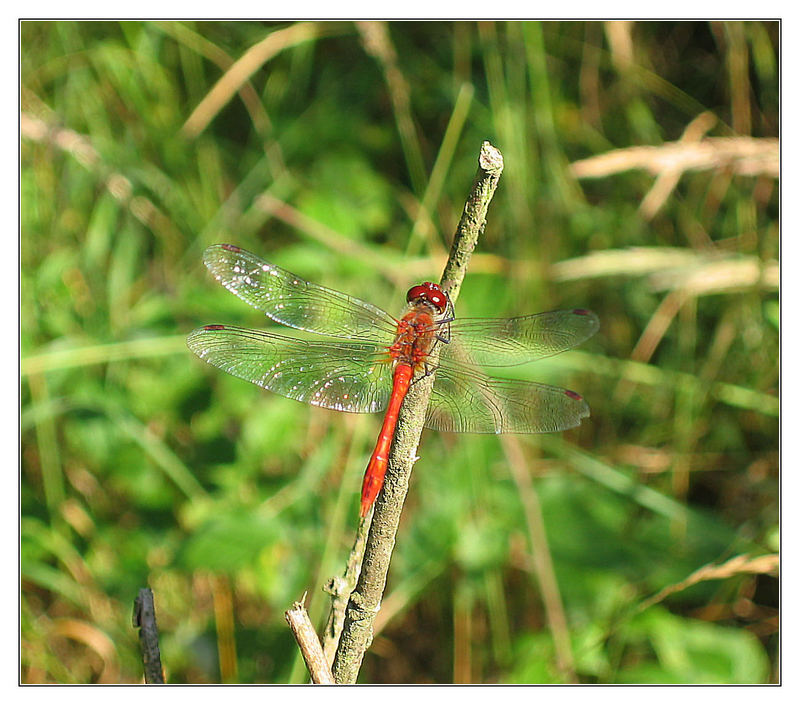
{"x":292,"y":301}
{"x":352,"y":377}
{"x":466,"y":401}
{"x":513,"y":341}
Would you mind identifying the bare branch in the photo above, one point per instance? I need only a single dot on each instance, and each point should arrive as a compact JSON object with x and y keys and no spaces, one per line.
{"x":365,"y":600}
{"x":144,"y":618}
{"x":339,"y":588}
{"x":307,"y":640}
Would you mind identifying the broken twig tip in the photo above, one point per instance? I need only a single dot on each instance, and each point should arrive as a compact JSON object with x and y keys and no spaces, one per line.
{"x":490,"y":159}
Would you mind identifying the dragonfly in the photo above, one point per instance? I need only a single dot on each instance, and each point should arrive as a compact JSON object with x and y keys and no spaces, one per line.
{"x":366,"y":360}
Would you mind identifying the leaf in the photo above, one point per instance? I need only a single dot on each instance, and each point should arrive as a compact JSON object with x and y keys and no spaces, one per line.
{"x":696,"y":652}
{"x":227,"y":544}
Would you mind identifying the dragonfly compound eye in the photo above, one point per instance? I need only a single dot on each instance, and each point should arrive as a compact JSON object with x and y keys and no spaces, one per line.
{"x":429,"y":293}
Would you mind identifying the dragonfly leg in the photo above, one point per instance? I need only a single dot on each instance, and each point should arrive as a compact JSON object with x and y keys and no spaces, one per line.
{"x":428,"y":370}
{"x":443,"y":330}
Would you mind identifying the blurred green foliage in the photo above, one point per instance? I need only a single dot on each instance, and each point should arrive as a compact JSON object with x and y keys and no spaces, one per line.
{"x":344,"y":152}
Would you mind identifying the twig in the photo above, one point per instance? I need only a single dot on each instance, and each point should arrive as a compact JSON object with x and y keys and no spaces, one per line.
{"x":365,"y":600}
{"x":307,"y":640}
{"x":339,"y":588}
{"x":144,"y":618}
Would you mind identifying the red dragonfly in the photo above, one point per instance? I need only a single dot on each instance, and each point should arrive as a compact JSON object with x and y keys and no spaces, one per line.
{"x":370,"y":358}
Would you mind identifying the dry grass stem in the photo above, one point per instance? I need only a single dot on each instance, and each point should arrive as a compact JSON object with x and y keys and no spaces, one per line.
{"x":666,"y":182}
{"x":240,"y":72}
{"x":208,"y":50}
{"x":735,"y":566}
{"x":329,"y":237}
{"x":93,"y":638}
{"x":222,"y":597}
{"x":620,"y":40}
{"x":117,"y":185}
{"x":541,"y":560}
{"x":715,"y":277}
{"x":633,"y":261}
{"x":697,"y":273}
{"x":378,"y":43}
{"x":745,"y":156}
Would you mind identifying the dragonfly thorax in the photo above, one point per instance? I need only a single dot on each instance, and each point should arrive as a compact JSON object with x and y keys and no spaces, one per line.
{"x":416,"y":333}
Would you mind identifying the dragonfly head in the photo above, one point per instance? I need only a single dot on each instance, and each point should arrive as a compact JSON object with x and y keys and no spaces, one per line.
{"x":430,"y":294}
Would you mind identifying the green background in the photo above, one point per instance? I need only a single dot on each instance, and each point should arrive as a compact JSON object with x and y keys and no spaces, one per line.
{"x":344,"y":152}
